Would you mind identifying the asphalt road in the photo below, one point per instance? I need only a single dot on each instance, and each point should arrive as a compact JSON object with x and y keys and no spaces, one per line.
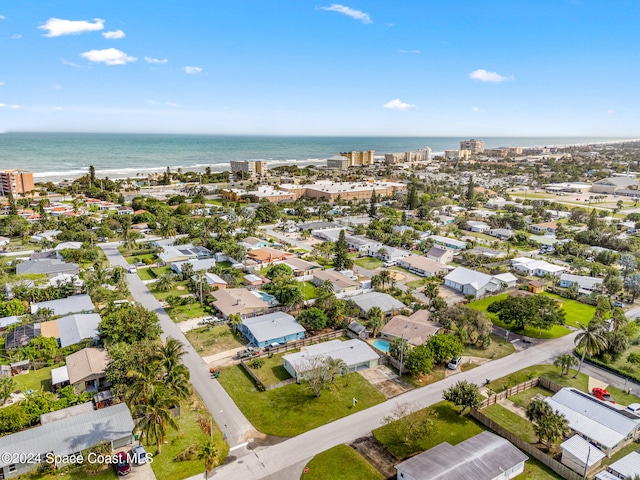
{"x":225,"y":412}
{"x":277,"y":461}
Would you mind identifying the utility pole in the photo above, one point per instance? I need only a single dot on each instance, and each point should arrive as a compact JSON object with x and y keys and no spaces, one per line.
{"x":401,"y":355}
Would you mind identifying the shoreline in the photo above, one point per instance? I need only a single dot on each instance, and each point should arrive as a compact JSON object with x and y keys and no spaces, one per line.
{"x":143,"y":172}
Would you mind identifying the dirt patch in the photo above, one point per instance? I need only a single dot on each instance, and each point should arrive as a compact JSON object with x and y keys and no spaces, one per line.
{"x":378,"y":456}
{"x":386,"y":381}
{"x":180,"y":287}
{"x":397,"y":276}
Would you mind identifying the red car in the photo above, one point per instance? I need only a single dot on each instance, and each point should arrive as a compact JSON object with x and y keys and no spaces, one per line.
{"x":122,"y":465}
{"x":602,"y":394}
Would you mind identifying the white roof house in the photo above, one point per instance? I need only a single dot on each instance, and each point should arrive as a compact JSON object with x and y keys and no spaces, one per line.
{"x":65,"y":306}
{"x":277,"y":327}
{"x":578,"y":453}
{"x":627,"y":467}
{"x":197,"y":264}
{"x":602,"y":424}
{"x":369,"y":300}
{"x":539,"y":268}
{"x":585,"y":284}
{"x":356,"y":354}
{"x":471,"y":282}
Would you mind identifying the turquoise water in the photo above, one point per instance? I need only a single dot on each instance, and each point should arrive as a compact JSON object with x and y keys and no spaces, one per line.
{"x":381,"y":345}
{"x":265,"y":296}
{"x":57,"y":156}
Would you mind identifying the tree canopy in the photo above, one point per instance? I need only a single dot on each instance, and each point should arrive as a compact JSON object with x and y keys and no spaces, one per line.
{"x":535,"y":310}
{"x":129,"y":324}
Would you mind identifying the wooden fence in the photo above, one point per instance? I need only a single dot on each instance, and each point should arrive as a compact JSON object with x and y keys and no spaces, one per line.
{"x":559,"y":468}
{"x":534,"y":382}
{"x":270,"y":386}
{"x":305,"y":342}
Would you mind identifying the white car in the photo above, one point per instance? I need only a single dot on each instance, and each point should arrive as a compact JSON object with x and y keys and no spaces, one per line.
{"x":634,"y":408}
{"x":138,"y":455}
{"x":389,"y":264}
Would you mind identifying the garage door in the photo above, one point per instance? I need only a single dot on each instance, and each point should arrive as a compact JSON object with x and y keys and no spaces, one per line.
{"x":121,"y":442}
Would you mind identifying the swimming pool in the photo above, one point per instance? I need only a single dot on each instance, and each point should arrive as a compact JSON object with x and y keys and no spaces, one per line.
{"x":265,"y":296}
{"x":381,"y":345}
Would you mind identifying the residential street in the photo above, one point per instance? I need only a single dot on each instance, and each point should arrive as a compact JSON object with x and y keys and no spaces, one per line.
{"x":226,"y":414}
{"x":276,"y":461}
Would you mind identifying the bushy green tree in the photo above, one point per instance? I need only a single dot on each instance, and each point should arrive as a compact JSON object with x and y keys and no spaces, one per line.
{"x":129,"y":324}
{"x":420,"y":360}
{"x":445,"y":347}
{"x":463,"y":394}
{"x":313,"y":319}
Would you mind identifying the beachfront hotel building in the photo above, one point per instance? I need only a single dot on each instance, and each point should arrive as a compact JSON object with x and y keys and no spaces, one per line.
{"x":338,"y":162}
{"x":357,"y":159}
{"x":421,"y":155}
{"x":249,"y":168}
{"x":16,"y":181}
{"x":474,"y":146}
{"x":345,"y":190}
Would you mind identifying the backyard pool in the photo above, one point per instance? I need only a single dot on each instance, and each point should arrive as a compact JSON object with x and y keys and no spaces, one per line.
{"x":381,"y":345}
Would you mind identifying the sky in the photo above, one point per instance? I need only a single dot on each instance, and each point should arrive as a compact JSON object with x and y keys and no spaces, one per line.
{"x":296,"y":67}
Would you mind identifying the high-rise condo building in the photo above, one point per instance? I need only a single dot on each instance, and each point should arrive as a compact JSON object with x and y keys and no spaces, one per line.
{"x":16,"y":181}
{"x":474,"y":146}
{"x":249,"y":167}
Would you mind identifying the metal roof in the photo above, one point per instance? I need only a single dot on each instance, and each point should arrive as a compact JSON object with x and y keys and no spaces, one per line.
{"x":272,"y":326}
{"x":581,"y":449}
{"x":65,"y":306}
{"x":6,"y":321}
{"x":73,"y":329}
{"x":377,"y":299}
{"x":352,"y":352}
{"x":59,"y":375}
{"x":629,"y":465}
{"x":466,"y":276}
{"x":70,"y":435}
{"x":482,"y":457}
{"x":592,"y":418}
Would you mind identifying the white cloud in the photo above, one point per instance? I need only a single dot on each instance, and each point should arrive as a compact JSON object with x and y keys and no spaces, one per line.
{"x":349,"y":12}
{"x":2,"y":17}
{"x":57,"y":87}
{"x":13,"y":107}
{"x":1,"y":84}
{"x":192,"y":70}
{"x":108,"y":56}
{"x":115,"y":35}
{"x":477,"y":109}
{"x":398,"y":105}
{"x":155,"y":60}
{"x":57,"y":109}
{"x":410,"y":51}
{"x":612,"y":111}
{"x":172,"y":104}
{"x":15,"y":36}
{"x":71,"y":64}
{"x":58,"y":27}
{"x":484,"y":76}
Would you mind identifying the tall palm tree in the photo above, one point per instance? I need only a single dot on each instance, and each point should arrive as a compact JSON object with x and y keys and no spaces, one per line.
{"x":209,"y":453}
{"x":385,"y":277}
{"x":375,"y":319}
{"x":173,"y":374}
{"x":165,"y":282}
{"x":154,"y":417}
{"x":591,"y":340}
{"x":144,"y":385}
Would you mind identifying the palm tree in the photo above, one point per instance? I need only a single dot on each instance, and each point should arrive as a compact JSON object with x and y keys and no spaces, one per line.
{"x":385,"y":277}
{"x":591,"y":340}
{"x":173,"y":374}
{"x":154,"y":416}
{"x":165,"y":282}
{"x":618,"y":320}
{"x":144,"y":385}
{"x":209,"y":453}
{"x":565,"y":362}
{"x":375,"y":321}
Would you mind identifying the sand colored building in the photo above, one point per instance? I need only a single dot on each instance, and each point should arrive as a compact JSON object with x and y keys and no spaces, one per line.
{"x":16,"y":181}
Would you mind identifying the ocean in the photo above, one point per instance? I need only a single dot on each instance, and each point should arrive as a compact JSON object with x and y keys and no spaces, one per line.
{"x":58,"y":156}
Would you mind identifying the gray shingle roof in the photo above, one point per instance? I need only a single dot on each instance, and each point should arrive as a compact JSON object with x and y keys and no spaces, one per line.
{"x":65,"y":306}
{"x":72,"y":434}
{"x":74,"y":328}
{"x":482,"y":457}
{"x":377,"y":299}
{"x":352,"y":352}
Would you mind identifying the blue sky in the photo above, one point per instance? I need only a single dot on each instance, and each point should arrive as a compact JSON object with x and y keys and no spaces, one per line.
{"x":294,"y":67}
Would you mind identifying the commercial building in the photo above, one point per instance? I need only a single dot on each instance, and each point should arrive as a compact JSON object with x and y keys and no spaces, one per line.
{"x":344,"y":190}
{"x":338,"y":162}
{"x":248,"y":168}
{"x":16,"y":181}
{"x":357,"y":159}
{"x":474,"y":146}
{"x":421,"y":155}
{"x":614,"y":184}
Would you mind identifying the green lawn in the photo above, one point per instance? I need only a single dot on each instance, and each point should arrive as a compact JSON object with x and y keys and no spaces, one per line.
{"x":178,"y":290}
{"x":450,"y":427}
{"x":308,"y":290}
{"x":291,"y":410}
{"x":513,"y":422}
{"x":498,"y":348}
{"x":186,"y":312}
{"x":131,"y":259}
{"x":369,"y":263}
{"x":341,"y":462}
{"x":211,"y":340}
{"x":576,"y":312}
{"x":549,"y":372}
{"x":534,"y":470}
{"x":417,"y":283}
{"x":622,"y":397}
{"x":35,"y":380}
{"x":273,"y":370}
{"x":523,"y":399}
{"x":189,"y":433}
{"x":151,"y":273}
{"x":481,"y":305}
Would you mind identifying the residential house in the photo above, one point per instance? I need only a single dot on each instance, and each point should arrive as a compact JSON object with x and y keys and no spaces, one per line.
{"x":445,"y":220}
{"x":356,"y":354}
{"x":86,"y":369}
{"x":199,"y":265}
{"x":47,"y":235}
{"x":359,"y":330}
{"x":252,"y":242}
{"x":585,"y":285}
{"x":47,"y":266}
{"x":478,"y":284}
{"x":537,"y":286}
{"x":21,"y":335}
{"x":601,"y":423}
{"x":486,"y":252}
{"x":485,"y":456}
{"x":65,"y":436}
{"x":213,"y":280}
{"x":238,"y":301}
{"x":387,"y":253}
{"x":66,"y":306}
{"x":546,"y":228}
{"x":415,"y":329}
{"x":478,"y":227}
{"x":580,"y":455}
{"x":72,"y":329}
{"x":342,"y":284}
{"x":422,"y":266}
{"x":539,"y":268}
{"x":68,"y":246}
{"x":277,"y":327}
{"x":501,"y":233}
{"x":181,"y":253}
{"x":627,"y":468}
{"x":253,"y":281}
{"x":266,"y":256}
{"x":301,"y":268}
{"x":447,"y":242}
{"x":440,"y":255}
{"x":384,"y":301}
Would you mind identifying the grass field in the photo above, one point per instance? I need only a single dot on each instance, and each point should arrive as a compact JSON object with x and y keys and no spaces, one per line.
{"x":189,"y":433}
{"x":549,"y":372}
{"x":576,"y":312}
{"x":178,"y":290}
{"x":186,"y":312}
{"x":308,"y":290}
{"x":151,"y":273}
{"x":482,"y":305}
{"x":523,"y":399}
{"x":209,"y":341}
{"x":498,"y":348}
{"x":369,"y":263}
{"x":36,"y":380}
{"x":511,"y":421}
{"x":273,"y":370}
{"x":292,"y":410}
{"x":341,"y":462}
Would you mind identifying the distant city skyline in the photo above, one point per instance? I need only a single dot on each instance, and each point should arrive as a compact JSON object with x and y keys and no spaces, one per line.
{"x":411,"y":68}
